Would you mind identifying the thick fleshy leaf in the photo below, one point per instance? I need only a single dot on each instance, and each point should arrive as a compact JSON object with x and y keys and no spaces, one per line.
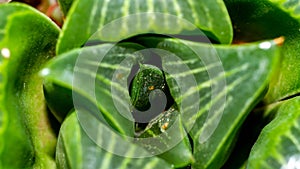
{"x":27,"y":41}
{"x":248,"y":135}
{"x":75,"y":149}
{"x":257,"y":20}
{"x":229,"y":82}
{"x":149,"y":85}
{"x":286,"y":83}
{"x":181,"y":154}
{"x":278,"y":145}
{"x":96,"y":78}
{"x":142,"y":17}
{"x":85,"y":79}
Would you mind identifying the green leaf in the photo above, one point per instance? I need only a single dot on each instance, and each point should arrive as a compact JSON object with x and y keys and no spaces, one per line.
{"x":65,"y":5}
{"x":141,"y":87}
{"x":290,"y":7}
{"x":97,"y":79}
{"x":257,"y":20}
{"x":75,"y":149}
{"x":27,"y":41}
{"x":229,"y":81}
{"x":286,"y":83}
{"x":248,"y":134}
{"x":86,"y":76}
{"x":102,"y":18}
{"x":179,"y":155}
{"x":278,"y":145}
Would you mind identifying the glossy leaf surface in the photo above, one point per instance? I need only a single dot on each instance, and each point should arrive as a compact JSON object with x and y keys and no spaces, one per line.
{"x":99,"y":85}
{"x":26,"y":136}
{"x":257,"y":20}
{"x":87,"y":76}
{"x":246,"y":71}
{"x":146,"y":17}
{"x":243,"y":72}
{"x":75,"y":150}
{"x":179,"y":155}
{"x":278,"y":144}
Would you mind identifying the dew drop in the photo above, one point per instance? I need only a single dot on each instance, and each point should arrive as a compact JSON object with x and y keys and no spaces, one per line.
{"x":5,"y":52}
{"x":45,"y":72}
{"x":265,"y":45}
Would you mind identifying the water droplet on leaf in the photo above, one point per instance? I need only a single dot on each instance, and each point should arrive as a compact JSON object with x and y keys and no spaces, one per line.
{"x":5,"y":52}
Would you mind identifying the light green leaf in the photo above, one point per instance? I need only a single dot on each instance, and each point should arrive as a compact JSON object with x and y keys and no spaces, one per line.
{"x":278,"y":145}
{"x":27,"y":41}
{"x":75,"y":149}
{"x":229,"y":82}
{"x":101,"y":17}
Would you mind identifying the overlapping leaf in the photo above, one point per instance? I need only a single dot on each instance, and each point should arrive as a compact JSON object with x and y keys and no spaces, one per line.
{"x":291,"y":7}
{"x":87,"y":78}
{"x":97,"y":78}
{"x":79,"y":151}
{"x":84,"y":19}
{"x":75,"y":149}
{"x":181,"y":153}
{"x":26,"y":138}
{"x":257,"y":20}
{"x":278,"y":145}
{"x":247,"y":69}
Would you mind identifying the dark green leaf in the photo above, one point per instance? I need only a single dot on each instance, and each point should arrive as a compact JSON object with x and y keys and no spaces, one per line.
{"x":257,"y":20}
{"x":100,"y":17}
{"x":65,"y":5}
{"x":27,"y":41}
{"x":292,"y":7}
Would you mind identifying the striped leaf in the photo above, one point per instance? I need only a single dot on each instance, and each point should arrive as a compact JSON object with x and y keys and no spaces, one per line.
{"x":165,"y":127}
{"x":181,"y":153}
{"x":27,"y":41}
{"x":100,"y":20}
{"x":229,"y":81}
{"x":98,"y":85}
{"x":85,"y":78}
{"x":278,"y":145}
{"x":75,"y":149}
